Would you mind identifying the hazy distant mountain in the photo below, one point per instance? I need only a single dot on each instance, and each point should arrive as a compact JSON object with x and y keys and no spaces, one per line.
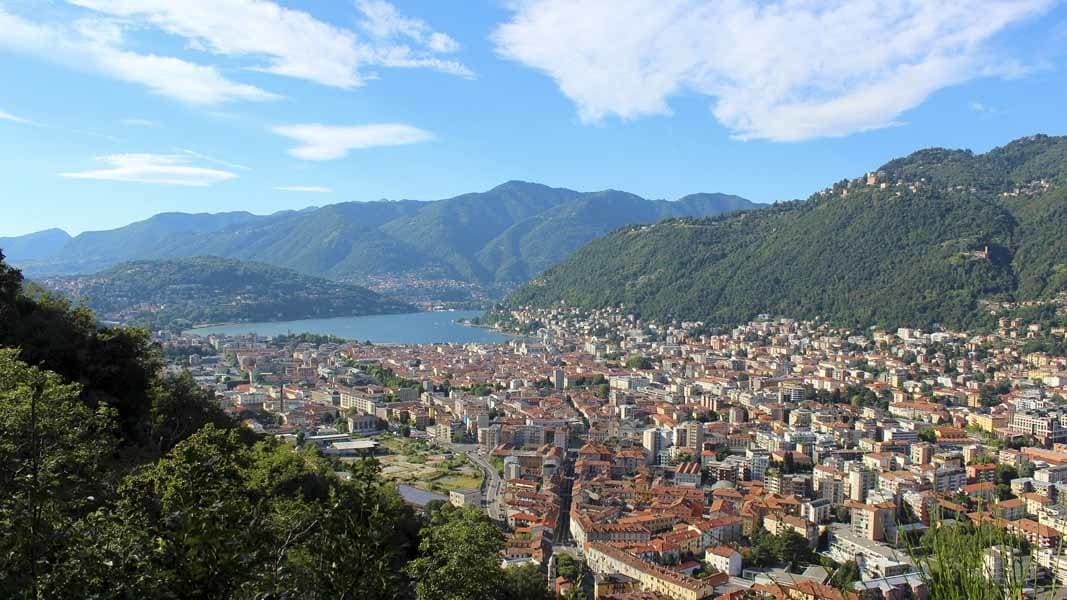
{"x":34,"y":246}
{"x":184,"y":292}
{"x":926,"y":239}
{"x":503,"y":236}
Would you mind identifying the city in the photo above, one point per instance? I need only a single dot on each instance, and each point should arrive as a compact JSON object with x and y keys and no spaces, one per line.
{"x":655,"y":453}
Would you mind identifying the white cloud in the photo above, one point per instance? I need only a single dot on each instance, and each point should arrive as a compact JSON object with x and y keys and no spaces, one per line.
{"x":291,"y":42}
{"x":305,"y":189}
{"x":97,"y":46}
{"x":6,"y":116}
{"x":328,"y":142}
{"x":405,"y":42}
{"x":213,"y":160}
{"x":383,"y":21}
{"x":137,"y":122}
{"x":164,"y":169}
{"x":781,"y":70}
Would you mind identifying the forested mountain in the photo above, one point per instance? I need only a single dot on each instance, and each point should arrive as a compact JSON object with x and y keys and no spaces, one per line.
{"x":117,"y":481}
{"x":184,"y":292}
{"x":927,"y":238}
{"x":35,"y":246}
{"x":502,"y":236}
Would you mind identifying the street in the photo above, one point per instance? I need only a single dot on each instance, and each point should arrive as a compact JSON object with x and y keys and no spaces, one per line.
{"x":492,"y":486}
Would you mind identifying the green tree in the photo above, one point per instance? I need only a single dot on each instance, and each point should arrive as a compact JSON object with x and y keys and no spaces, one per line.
{"x":845,"y":575}
{"x":639,"y":362}
{"x":791,"y":547}
{"x":179,"y":408}
{"x":219,"y":517}
{"x":458,"y":558}
{"x":524,"y":583}
{"x":567,"y":567}
{"x":574,"y":593}
{"x":53,"y":449}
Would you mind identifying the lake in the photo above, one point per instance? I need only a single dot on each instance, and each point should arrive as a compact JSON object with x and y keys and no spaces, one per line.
{"x":411,"y":328}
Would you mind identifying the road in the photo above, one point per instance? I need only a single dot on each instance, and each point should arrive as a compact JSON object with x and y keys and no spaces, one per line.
{"x":492,"y":486}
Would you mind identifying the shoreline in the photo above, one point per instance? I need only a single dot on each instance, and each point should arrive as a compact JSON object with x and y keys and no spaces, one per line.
{"x":236,"y":323}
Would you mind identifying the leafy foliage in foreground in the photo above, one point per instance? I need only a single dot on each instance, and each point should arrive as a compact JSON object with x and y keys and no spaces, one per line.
{"x":909,"y":254}
{"x":117,"y":483}
{"x":950,"y":557}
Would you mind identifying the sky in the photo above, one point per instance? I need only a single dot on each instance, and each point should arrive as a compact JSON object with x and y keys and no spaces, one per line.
{"x":114,"y":110}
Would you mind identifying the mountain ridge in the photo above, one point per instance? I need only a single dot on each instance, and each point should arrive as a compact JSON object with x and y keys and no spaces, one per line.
{"x":464,"y":239}
{"x":35,"y":246}
{"x":938,"y":236}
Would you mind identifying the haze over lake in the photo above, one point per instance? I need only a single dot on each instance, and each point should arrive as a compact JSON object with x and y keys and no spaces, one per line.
{"x":411,"y":328}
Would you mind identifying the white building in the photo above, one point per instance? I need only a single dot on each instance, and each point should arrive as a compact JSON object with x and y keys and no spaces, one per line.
{"x":725,"y":559}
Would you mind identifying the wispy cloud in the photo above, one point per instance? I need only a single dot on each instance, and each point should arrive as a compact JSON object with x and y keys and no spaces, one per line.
{"x":329,"y":142}
{"x":213,"y":160}
{"x":6,"y":116}
{"x":98,"y":46}
{"x":305,"y":189}
{"x":95,"y":134}
{"x":983,"y":108}
{"x":165,"y":169}
{"x":293,"y":43}
{"x":780,"y":70}
{"x":406,"y":42}
{"x":137,"y":122}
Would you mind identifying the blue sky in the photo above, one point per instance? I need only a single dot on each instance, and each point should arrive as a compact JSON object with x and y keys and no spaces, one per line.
{"x":114,"y":110}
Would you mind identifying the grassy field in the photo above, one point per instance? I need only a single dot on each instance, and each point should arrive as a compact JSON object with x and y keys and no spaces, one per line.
{"x":415,"y":463}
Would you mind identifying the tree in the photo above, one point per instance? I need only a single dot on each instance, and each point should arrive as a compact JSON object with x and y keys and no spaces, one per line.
{"x":574,"y":593}
{"x":524,"y":583}
{"x":845,"y":575}
{"x":52,"y":453}
{"x":842,"y":514}
{"x":567,"y":567}
{"x":179,"y":408}
{"x":458,"y":557}
{"x":639,"y":362}
{"x":791,"y":547}
{"x":220,"y":517}
{"x":1005,"y":473}
{"x":789,"y":464}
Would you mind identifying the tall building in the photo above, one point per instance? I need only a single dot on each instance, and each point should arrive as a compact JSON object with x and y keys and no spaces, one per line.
{"x":690,"y":435}
{"x":657,"y":442}
{"x":860,"y":480}
{"x":558,"y":379}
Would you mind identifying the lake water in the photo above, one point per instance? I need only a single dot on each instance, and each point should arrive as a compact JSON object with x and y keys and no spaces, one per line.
{"x":412,"y":328}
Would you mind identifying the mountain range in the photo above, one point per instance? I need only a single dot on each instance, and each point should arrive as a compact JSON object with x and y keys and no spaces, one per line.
{"x":181,"y":293}
{"x":501,"y":237}
{"x":940,"y":236}
{"x":35,"y":246}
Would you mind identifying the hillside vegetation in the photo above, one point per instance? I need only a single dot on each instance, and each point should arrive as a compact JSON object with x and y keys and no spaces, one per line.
{"x":931,"y":238}
{"x":502,"y":236}
{"x":186,"y":292}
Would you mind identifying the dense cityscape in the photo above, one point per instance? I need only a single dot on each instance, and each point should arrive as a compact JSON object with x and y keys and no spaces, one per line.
{"x":777,"y":456}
